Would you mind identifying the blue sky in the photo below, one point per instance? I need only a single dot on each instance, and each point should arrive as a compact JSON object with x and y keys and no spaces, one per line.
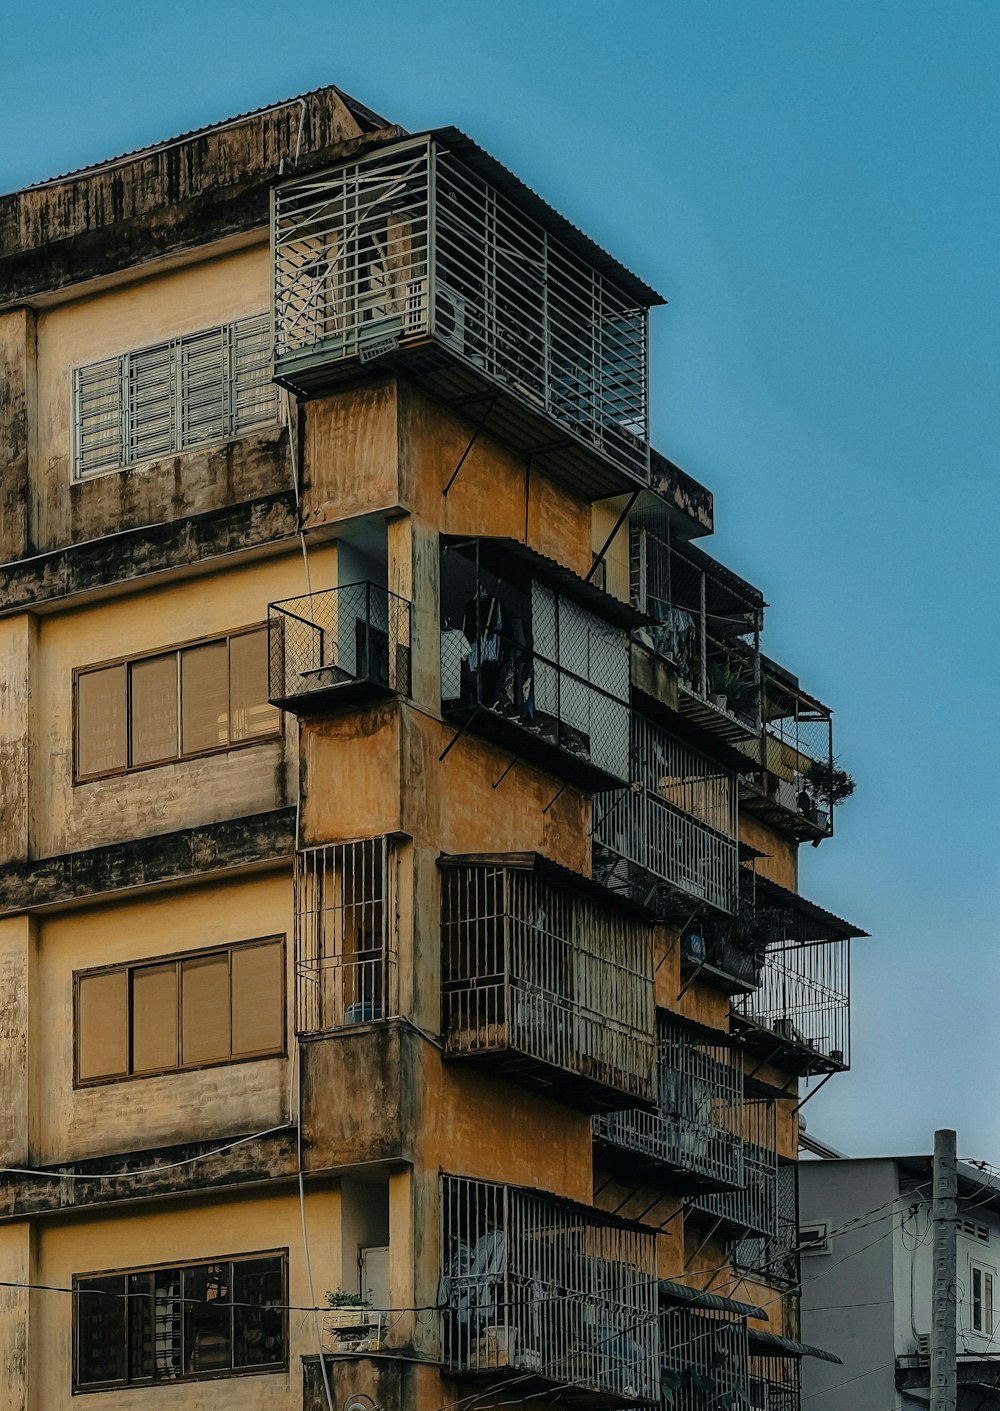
{"x":813,"y":186}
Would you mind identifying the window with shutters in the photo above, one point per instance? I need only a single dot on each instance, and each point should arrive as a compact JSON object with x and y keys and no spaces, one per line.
{"x":191,"y":700}
{"x":182,"y":1011}
{"x":220,"y":1317}
{"x":207,"y":386}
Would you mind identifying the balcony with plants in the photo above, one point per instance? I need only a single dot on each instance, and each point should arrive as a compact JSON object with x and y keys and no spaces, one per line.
{"x":428,"y":257}
{"x":799,"y":1013}
{"x":795,"y":782}
{"x":547,"y":1294}
{"x":705,"y":621}
{"x":535,"y":659}
{"x":545,"y":979}
{"x":670,"y":838}
{"x":691,"y":1138}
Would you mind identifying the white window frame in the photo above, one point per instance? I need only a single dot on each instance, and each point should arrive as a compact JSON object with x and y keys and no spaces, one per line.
{"x":240,"y":395}
{"x":820,"y":1243}
{"x":985,"y":1299}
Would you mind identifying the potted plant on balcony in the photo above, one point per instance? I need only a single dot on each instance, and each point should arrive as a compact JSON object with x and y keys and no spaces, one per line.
{"x":827,"y":785}
{"x":352,"y":1323}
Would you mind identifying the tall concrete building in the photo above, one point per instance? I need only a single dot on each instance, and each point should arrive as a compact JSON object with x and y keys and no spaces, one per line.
{"x":406,"y":994}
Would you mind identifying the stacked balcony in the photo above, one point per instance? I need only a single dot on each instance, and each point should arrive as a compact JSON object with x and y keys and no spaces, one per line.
{"x":773,"y":1254}
{"x":544,"y":981}
{"x":549,"y":1293}
{"x":428,"y":257}
{"x":774,"y":1380}
{"x":751,"y":1211}
{"x":793,"y":761}
{"x":704,"y":1358}
{"x":339,"y":647}
{"x":799,"y":1014}
{"x":705,"y":621}
{"x":671,"y":837}
{"x":536,"y":660}
{"x":691,"y":1139}
{"x":346,"y":942}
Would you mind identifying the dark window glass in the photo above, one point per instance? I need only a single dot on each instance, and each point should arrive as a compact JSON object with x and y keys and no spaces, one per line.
{"x":141,"y":1338}
{"x":208,"y":1335}
{"x":258,"y":1320}
{"x":101,"y":1330}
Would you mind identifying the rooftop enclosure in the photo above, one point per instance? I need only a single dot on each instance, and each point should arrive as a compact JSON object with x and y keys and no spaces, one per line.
{"x":692,"y":1136}
{"x":536,"y":659}
{"x":704,"y":1359}
{"x":547,"y":983}
{"x":670,"y":837}
{"x":795,"y":755}
{"x":429,"y":257}
{"x":774,"y":1254}
{"x":752,"y":1209}
{"x":548,"y":1291}
{"x":703,"y":619}
{"x":330,"y":648}
{"x":801,"y":1011}
{"x":346,"y":934}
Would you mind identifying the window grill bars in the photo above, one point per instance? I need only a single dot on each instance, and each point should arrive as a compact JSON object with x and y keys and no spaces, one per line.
{"x":753,"y":1208}
{"x":535,"y":1285}
{"x":351,"y":636}
{"x":677,"y":821}
{"x":705,"y":1359}
{"x":699,"y":1101}
{"x":774,"y":1383}
{"x":206,"y":386}
{"x":346,"y":934}
{"x":410,"y":244}
{"x":534,"y":968}
{"x":804,"y":996}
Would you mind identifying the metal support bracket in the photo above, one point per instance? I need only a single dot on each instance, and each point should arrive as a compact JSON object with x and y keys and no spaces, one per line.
{"x":474,"y":438}
{"x":457,"y":735}
{"x":503,"y":776}
{"x":614,"y":533}
{"x":555,"y":797}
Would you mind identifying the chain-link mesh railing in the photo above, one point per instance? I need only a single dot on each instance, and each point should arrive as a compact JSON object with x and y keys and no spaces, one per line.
{"x":354,"y":636}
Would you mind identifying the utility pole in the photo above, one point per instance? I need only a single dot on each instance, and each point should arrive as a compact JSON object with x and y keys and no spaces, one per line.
{"x":944,"y":1219}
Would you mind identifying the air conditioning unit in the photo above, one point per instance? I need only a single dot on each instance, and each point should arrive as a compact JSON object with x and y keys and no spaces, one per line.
{"x":457,"y":323}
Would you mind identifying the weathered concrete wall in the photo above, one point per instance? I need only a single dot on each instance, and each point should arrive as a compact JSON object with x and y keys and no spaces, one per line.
{"x":16,"y":1261}
{"x":18,"y":983}
{"x":18,"y":662}
{"x":212,"y":185}
{"x":245,"y":780}
{"x":127,"y":1115}
{"x":17,"y":400}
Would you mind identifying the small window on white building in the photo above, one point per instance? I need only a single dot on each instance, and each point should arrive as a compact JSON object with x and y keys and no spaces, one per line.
{"x":981,"y":1292}
{"x":975,"y":1230}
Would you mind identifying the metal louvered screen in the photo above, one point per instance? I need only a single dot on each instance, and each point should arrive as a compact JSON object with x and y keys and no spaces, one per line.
{"x":155,"y":401}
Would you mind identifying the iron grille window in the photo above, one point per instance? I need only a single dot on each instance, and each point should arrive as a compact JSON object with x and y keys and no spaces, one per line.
{"x":538,"y":1285}
{"x":775,"y":1383}
{"x":346,"y":930}
{"x":146,"y":1326}
{"x":205,"y":386}
{"x":705,"y":1360}
{"x":208,"y":1006}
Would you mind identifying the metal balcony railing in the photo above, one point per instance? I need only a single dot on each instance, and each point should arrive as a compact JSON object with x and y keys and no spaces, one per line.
{"x":429,"y":255}
{"x":753,"y":1208}
{"x":793,"y":757}
{"x":774,"y":1254}
{"x":774,"y":1383}
{"x":675,"y":826}
{"x":548,"y":1291}
{"x":692,"y":1133}
{"x":336,"y":646}
{"x":800,"y":1012}
{"x":346,"y":934}
{"x":546,"y":983}
{"x":706,"y":621}
{"x":705,"y":1360}
{"x":535,"y":659}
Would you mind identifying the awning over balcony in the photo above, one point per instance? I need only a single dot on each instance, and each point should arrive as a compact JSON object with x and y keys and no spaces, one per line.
{"x":787,"y":1347}
{"x":807,"y":921}
{"x":680,"y":1294}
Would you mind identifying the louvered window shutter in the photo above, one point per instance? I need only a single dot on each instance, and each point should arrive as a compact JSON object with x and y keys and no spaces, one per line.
{"x":151,"y":402}
{"x":254,"y":396}
{"x":97,"y":396}
{"x":204,"y":386}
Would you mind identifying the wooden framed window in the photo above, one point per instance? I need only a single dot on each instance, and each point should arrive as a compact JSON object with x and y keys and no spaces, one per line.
{"x":191,"y":700}
{"x":207,"y":1007}
{"x":206,"y":386}
{"x":214,"y":1318}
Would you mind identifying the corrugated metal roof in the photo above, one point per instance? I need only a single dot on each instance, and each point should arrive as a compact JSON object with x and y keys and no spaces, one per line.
{"x":365,"y":117}
{"x":555,"y":871}
{"x":672,"y":1292}
{"x":812,"y":922}
{"x":771,"y":1342}
{"x":505,"y":181}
